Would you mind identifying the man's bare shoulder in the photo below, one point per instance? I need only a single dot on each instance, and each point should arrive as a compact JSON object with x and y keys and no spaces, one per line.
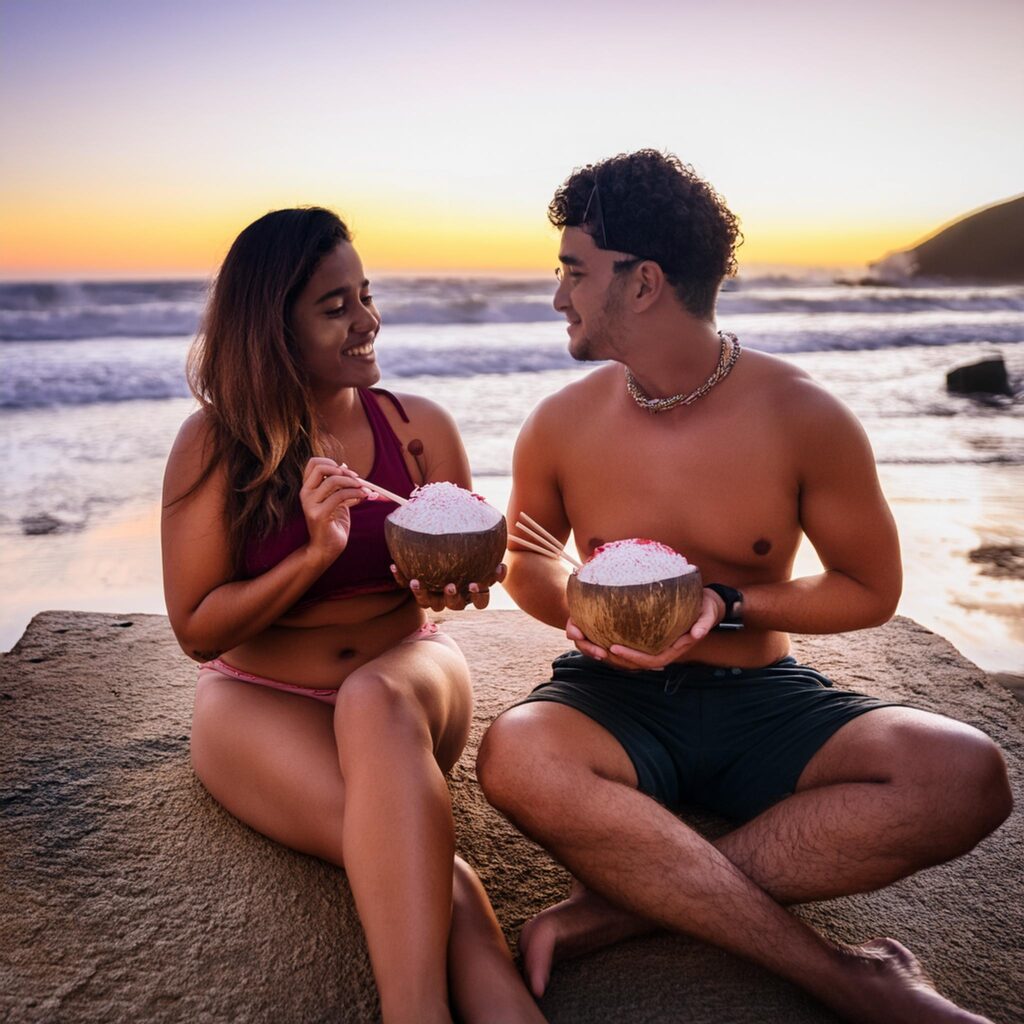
{"x":566,"y":404}
{"x":792,"y":392}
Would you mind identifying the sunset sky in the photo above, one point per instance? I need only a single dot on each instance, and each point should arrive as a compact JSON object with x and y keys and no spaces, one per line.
{"x":139,"y":137}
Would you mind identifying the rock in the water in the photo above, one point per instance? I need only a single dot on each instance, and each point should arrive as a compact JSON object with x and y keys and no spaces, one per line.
{"x":987,"y":377}
{"x":40,"y":524}
{"x":1003,"y":561}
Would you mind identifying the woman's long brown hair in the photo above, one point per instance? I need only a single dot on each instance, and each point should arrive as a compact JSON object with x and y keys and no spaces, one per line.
{"x":245,"y":370}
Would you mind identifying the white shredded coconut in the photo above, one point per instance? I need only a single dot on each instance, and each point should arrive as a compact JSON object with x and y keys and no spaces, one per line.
{"x":445,"y":508}
{"x":624,"y":562}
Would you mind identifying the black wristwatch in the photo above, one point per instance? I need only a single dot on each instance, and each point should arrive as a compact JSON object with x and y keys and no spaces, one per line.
{"x":733,"y":598}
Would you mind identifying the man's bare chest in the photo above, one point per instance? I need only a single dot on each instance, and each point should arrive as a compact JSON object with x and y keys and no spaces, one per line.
{"x":724,"y":490}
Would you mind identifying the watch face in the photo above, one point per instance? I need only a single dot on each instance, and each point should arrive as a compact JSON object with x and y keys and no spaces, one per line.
{"x":733,"y":617}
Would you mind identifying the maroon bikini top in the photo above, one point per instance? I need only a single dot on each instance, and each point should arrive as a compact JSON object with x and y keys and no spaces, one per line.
{"x":364,"y":567}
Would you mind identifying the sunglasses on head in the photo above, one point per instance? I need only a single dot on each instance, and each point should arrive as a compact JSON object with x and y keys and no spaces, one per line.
{"x":595,"y":202}
{"x":598,"y":222}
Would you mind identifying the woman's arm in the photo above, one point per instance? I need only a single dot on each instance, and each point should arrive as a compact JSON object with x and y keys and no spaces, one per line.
{"x":209,"y":612}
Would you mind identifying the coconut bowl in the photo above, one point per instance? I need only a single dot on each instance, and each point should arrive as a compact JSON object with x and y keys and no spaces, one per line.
{"x":437,"y":559}
{"x":642,"y":616}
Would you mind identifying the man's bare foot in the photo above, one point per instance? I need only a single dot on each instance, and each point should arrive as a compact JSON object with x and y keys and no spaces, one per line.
{"x":887,"y":985}
{"x":579,"y":924}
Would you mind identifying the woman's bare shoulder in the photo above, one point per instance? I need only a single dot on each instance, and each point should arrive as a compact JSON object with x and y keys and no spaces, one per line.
{"x":190,"y":455}
{"x":196,"y":432}
{"x":419,"y":408}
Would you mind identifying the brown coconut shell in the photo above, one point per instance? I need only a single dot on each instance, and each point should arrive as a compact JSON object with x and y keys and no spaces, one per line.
{"x":642,"y":616}
{"x":437,"y":559}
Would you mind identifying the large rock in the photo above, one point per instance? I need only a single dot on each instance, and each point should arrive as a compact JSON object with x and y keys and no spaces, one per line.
{"x":986,"y":245}
{"x":127,"y":894}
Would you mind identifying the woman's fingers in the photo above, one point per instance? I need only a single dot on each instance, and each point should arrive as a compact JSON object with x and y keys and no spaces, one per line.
{"x":323,"y":476}
{"x":495,"y":577}
{"x":316,"y":469}
{"x":432,"y":599}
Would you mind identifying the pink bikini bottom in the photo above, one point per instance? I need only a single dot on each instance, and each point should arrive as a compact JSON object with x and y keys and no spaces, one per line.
{"x":211,"y":669}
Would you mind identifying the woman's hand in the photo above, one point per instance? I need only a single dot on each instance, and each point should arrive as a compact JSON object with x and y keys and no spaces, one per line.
{"x":328,"y":492}
{"x":478,"y":594}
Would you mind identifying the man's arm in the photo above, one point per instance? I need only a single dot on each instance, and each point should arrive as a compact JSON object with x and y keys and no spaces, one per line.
{"x":537,"y":583}
{"x":846,"y":518}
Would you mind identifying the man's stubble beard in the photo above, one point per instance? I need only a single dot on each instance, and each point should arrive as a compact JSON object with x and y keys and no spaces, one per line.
{"x":598,"y":343}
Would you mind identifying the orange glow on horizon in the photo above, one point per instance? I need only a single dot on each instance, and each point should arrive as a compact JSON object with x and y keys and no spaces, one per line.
{"x":82,"y":239}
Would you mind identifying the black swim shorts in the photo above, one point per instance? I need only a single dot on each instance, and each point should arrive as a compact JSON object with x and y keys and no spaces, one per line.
{"x":731,"y":740}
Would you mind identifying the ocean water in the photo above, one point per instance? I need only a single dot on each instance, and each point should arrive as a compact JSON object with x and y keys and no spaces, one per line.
{"x":92,"y":392}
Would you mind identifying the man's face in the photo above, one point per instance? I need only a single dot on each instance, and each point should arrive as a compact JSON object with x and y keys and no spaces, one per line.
{"x":590,"y":296}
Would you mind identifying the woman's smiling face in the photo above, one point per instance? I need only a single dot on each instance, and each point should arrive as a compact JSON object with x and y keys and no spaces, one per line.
{"x":334,"y":323}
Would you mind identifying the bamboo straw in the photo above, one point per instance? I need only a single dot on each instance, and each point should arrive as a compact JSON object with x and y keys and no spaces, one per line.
{"x":534,"y":547}
{"x":544,"y":545}
{"x":540,"y":529}
{"x":397,"y":499}
{"x":556,"y":549}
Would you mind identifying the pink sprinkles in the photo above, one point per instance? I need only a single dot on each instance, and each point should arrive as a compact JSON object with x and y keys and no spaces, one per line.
{"x":445,"y":508}
{"x":638,"y":560}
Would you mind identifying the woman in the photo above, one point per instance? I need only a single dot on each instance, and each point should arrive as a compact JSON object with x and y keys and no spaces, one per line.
{"x":327,"y":711}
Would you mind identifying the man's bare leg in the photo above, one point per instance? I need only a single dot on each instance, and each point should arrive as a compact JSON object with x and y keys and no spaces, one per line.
{"x":909,"y":765}
{"x":577,"y":798}
{"x":581,"y":923}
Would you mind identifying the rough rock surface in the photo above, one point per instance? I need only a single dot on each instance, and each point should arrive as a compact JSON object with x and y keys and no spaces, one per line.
{"x":127,"y":894}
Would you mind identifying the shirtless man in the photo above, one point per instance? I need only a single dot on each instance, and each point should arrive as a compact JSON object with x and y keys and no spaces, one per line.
{"x":834,"y":793}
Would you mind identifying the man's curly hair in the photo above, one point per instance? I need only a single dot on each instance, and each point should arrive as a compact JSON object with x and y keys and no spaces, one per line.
{"x":656,"y":207}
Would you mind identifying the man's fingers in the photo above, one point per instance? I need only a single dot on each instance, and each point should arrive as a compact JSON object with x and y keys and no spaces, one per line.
{"x":480,"y":596}
{"x":583,"y":645}
{"x":591,"y":650}
{"x":705,"y":623}
{"x":637,"y":658}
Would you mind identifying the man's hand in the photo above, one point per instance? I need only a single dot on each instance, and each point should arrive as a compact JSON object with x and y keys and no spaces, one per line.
{"x":711,"y":612}
{"x":478,"y":594}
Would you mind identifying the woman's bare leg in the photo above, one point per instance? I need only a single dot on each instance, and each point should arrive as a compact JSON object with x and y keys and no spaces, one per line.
{"x":272,"y":760}
{"x":485,"y":985}
{"x":400,"y":722}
